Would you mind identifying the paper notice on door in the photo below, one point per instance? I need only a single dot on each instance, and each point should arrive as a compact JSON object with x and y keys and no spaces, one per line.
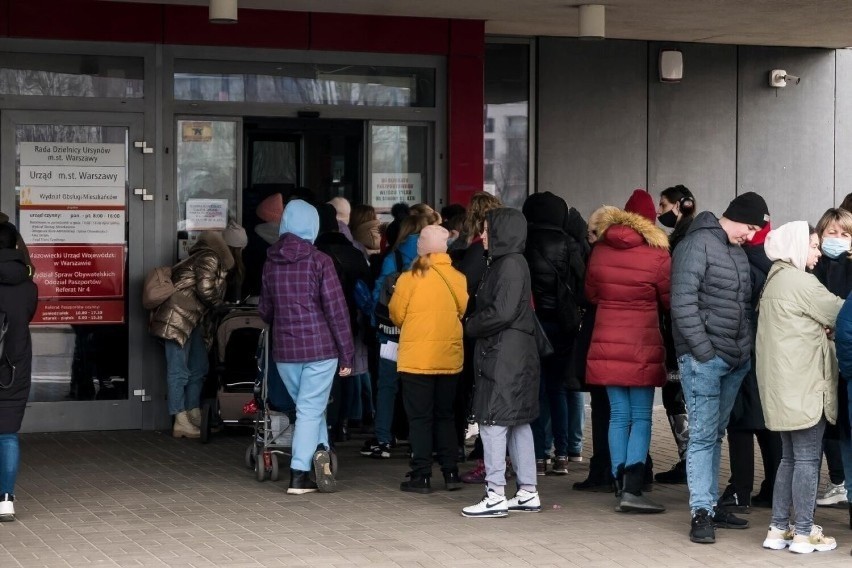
{"x":389,"y":350}
{"x":204,"y":214}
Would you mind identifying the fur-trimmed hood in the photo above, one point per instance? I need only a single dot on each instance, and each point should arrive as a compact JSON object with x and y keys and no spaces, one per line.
{"x":621,"y":229}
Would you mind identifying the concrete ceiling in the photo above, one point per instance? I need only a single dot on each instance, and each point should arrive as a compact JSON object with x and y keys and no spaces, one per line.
{"x":805,"y":23}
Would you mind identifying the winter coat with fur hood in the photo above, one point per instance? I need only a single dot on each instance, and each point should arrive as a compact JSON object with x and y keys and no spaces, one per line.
{"x":796,"y":364}
{"x":200,"y":283}
{"x":628,"y":279}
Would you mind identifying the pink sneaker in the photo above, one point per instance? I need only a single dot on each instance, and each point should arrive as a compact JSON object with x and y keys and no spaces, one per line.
{"x":476,"y":475}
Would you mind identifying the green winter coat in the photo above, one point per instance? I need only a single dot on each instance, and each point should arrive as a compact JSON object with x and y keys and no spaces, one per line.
{"x":796,"y":364}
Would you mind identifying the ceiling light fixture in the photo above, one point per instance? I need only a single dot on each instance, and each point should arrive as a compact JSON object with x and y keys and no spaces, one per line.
{"x":223,"y":11}
{"x":592,"y":21}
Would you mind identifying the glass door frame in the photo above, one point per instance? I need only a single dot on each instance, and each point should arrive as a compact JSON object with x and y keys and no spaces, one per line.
{"x":99,"y":414}
{"x":431,"y":191}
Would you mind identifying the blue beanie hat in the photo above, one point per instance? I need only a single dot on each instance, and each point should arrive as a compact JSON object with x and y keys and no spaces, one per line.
{"x":301,"y":219}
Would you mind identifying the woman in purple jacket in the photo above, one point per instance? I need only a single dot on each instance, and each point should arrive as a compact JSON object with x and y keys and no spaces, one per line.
{"x":301,"y":298}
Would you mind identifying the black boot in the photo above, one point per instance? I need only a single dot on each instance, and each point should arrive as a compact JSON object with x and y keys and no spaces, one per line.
{"x":618,"y":481}
{"x":648,"y":476}
{"x":599,"y":479}
{"x":632,"y":500}
{"x":676,"y":474}
{"x":301,"y":483}
{"x":416,"y":483}
{"x":452,"y":481}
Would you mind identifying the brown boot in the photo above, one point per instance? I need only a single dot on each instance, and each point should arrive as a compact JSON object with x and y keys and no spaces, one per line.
{"x":183,"y":428}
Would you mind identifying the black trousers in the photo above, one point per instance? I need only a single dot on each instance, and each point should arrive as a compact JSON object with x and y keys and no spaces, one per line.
{"x":429,"y":401}
{"x":673,"y":400}
{"x":833,"y":458}
{"x":600,"y":468}
{"x":741,"y":451}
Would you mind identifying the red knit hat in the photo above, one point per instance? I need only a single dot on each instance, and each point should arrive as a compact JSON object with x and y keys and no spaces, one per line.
{"x":642,"y":203}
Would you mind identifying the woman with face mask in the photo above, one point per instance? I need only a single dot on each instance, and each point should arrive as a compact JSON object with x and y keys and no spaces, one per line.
{"x":834,"y":271}
{"x":675,"y":211}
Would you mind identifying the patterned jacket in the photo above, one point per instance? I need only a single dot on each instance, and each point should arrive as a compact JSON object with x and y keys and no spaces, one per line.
{"x":302,"y":299}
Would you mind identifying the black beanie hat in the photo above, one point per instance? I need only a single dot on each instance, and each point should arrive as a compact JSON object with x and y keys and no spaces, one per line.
{"x":748,"y":208}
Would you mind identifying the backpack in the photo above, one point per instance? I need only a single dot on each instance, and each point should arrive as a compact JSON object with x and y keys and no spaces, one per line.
{"x":568,"y":312}
{"x":382,"y":313}
{"x":158,"y":286}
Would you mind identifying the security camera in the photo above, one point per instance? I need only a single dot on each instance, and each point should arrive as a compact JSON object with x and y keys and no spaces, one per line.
{"x":780,"y":78}
{"x":792,"y":79}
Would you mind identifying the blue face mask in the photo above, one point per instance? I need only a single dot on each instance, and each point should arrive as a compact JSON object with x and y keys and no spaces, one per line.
{"x":833,"y":248}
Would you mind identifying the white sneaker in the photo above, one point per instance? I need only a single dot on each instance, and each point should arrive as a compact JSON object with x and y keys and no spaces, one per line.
{"x":815,"y":542}
{"x":776,"y":539}
{"x":492,"y":505}
{"x":7,"y":508}
{"x":835,"y":494}
{"x":525,"y":502}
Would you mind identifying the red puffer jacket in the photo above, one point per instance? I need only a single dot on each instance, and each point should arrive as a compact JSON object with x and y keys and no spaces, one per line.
{"x":628,"y":278}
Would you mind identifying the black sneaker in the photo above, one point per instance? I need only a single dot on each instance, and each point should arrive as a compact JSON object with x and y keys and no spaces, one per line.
{"x":301,"y":483}
{"x":452,"y":481}
{"x":416,"y":484}
{"x":594,"y":486}
{"x":702,"y":530}
{"x":676,"y":475}
{"x":732,"y":500}
{"x":381,"y":451}
{"x":368,"y":446}
{"x":726,"y":520}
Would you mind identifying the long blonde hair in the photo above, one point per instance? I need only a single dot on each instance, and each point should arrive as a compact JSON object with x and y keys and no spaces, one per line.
{"x":411,"y":225}
{"x":421,"y":265}
{"x":474,"y":221}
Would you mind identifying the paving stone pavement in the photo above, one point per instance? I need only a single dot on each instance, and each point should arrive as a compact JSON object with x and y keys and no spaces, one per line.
{"x":140,"y":499}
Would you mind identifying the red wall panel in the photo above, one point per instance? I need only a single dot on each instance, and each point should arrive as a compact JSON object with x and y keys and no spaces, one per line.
{"x":85,"y":20}
{"x":382,"y":34}
{"x":466,"y":78}
{"x":4,"y":18}
{"x":189,"y":25}
{"x":467,"y":37}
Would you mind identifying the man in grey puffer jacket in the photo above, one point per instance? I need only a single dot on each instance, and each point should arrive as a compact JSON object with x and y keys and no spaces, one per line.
{"x":710,"y":295}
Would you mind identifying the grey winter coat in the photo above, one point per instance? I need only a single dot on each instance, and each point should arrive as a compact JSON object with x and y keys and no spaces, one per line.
{"x":506,"y":362}
{"x":711,"y":295}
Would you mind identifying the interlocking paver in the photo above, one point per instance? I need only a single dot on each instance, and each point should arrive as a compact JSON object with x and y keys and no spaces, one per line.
{"x":144,"y":499}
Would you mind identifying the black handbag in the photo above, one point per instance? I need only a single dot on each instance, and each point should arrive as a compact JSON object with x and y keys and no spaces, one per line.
{"x":542,"y":343}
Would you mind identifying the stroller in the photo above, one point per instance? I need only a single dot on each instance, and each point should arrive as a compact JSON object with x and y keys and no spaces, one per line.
{"x":274,"y":417}
{"x":234,"y":365}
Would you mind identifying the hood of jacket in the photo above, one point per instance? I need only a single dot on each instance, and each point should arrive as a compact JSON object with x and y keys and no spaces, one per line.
{"x":789,"y":242}
{"x":507,"y":232}
{"x":13,"y":267}
{"x":213,"y":241}
{"x":545,"y":209}
{"x":624,"y":230}
{"x":289,"y":249}
{"x":576,"y":227}
{"x":706,"y":221}
{"x":300,"y":219}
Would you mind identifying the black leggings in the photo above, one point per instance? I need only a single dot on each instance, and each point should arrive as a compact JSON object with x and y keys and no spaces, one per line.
{"x":673,"y":400}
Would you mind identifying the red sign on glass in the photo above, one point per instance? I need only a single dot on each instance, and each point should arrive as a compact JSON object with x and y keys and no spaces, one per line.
{"x":80,"y":312}
{"x":78,"y":271}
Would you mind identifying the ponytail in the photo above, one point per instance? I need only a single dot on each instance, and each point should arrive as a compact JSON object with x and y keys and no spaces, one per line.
{"x":421,"y":265}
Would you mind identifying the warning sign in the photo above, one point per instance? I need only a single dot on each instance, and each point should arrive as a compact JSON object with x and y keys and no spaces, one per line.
{"x":389,"y":189}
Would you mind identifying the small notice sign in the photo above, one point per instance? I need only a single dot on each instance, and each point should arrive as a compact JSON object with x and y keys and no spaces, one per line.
{"x":204,"y":214}
{"x":197,"y":131}
{"x":389,"y":189}
{"x":79,"y":312}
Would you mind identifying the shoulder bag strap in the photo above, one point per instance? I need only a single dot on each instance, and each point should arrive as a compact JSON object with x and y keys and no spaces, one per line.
{"x":559,"y":280}
{"x":450,"y":288}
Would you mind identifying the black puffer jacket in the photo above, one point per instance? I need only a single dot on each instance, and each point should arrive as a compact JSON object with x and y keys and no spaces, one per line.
{"x":711,"y":295}
{"x":350,"y":265}
{"x":18,"y":296}
{"x":549,"y":246}
{"x":506,"y":361}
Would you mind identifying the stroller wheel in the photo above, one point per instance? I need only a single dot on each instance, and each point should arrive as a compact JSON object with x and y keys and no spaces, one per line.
{"x":273,"y":475}
{"x":260,"y":468}
{"x":333,"y":455}
{"x":251,"y":456}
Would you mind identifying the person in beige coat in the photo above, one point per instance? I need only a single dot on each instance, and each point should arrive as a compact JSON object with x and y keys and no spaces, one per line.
{"x":797,"y":378}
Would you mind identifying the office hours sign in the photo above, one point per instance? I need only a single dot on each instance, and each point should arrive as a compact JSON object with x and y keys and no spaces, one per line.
{"x":72,"y":217}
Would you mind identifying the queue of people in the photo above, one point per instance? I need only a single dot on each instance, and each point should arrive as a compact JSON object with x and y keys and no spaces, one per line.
{"x":503,"y":319}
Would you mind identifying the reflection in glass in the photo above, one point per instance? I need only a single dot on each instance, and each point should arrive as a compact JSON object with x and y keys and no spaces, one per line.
{"x":304,"y":83}
{"x":79,"y":361}
{"x":506,"y":150}
{"x":206,"y":163}
{"x":71,"y":75}
{"x":398,"y":165}
{"x":274,"y":161}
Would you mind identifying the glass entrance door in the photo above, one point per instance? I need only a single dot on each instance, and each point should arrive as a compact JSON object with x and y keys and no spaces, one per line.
{"x":66,"y":181}
{"x":399,"y":165}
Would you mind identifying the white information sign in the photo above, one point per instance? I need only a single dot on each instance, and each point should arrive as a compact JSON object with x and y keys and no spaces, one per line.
{"x":73,"y":197}
{"x":73,"y":154}
{"x":78,"y":226}
{"x":388,"y":189}
{"x":203,"y":214}
{"x":72,"y":176}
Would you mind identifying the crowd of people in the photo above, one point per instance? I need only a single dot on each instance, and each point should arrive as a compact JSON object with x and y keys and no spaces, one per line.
{"x":497,"y":321}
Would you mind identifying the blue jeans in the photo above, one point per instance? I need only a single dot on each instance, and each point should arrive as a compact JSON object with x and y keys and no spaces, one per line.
{"x":710,"y":390}
{"x":386,"y":389}
{"x":10,"y":459}
{"x":629,"y":425}
{"x":846,"y":445}
{"x":310,"y":385}
{"x":576,"y":422}
{"x":797,"y":479}
{"x":186,"y":368}
{"x":358,"y":390}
